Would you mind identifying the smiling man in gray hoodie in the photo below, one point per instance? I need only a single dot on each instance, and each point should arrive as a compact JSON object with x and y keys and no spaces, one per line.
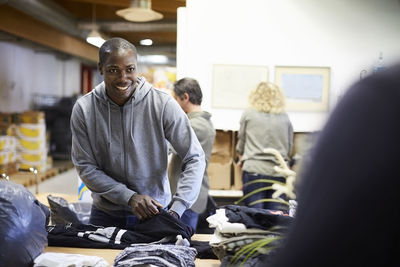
{"x":120,"y":135}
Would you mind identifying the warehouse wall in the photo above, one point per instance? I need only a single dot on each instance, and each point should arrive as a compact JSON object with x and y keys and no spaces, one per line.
{"x":26,"y":71}
{"x":344,"y":35}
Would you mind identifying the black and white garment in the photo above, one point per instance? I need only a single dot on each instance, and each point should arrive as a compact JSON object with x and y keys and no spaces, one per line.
{"x":158,"y":255}
{"x":162,"y":226}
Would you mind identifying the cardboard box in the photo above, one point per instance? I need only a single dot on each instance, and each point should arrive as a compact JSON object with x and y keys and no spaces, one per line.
{"x":220,"y":172}
{"x":223,"y":143}
{"x":237,"y":177}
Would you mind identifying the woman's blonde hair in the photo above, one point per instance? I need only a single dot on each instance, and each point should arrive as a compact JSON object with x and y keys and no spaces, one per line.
{"x":267,"y":97}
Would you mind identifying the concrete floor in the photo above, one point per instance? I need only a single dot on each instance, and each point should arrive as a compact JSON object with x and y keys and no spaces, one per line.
{"x":64,"y":183}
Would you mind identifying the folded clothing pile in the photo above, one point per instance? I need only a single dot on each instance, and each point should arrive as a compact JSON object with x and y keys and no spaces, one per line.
{"x":243,"y":234}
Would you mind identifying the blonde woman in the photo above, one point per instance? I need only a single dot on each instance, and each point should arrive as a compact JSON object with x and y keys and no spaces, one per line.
{"x":264,"y":125}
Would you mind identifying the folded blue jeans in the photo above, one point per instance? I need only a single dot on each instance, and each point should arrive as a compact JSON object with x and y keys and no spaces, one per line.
{"x":248,"y":177}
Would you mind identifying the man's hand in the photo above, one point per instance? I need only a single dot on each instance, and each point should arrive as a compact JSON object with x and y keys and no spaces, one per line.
{"x":143,"y":206}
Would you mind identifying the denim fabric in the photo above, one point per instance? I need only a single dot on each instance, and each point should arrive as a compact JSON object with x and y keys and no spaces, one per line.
{"x":248,"y":177}
{"x":100,"y":218}
{"x":190,"y":218}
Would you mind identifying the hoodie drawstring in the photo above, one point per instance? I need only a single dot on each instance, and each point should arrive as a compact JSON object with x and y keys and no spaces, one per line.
{"x":132,"y":120}
{"x":109,"y":126}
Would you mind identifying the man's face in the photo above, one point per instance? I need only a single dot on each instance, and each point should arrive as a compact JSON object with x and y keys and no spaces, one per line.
{"x":119,"y":71}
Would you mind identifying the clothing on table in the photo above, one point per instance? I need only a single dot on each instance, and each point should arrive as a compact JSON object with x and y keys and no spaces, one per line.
{"x":205,"y":133}
{"x":158,"y":255}
{"x":256,"y":218}
{"x":162,"y":225}
{"x":133,"y":159}
{"x":51,"y":259}
{"x":203,"y":249}
{"x":238,"y":226}
{"x":348,"y":213}
{"x":100,"y":218}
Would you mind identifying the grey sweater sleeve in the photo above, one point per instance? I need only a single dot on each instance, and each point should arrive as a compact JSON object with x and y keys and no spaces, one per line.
{"x":89,"y":171}
{"x":182,"y":137}
{"x":241,"y":135}
{"x":290,"y":142}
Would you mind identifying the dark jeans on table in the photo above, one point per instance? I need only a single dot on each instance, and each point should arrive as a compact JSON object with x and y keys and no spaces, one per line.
{"x":191,"y":218}
{"x":248,"y":177}
{"x":101,"y":218}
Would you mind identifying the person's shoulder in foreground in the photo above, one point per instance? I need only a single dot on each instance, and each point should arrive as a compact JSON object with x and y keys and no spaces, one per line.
{"x":348,"y":212}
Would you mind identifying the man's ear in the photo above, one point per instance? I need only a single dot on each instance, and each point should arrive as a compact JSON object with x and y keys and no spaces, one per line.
{"x":186,"y":96}
{"x":99,"y":66}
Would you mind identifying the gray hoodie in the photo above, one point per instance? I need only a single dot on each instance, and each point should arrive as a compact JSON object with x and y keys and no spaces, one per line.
{"x":120,"y":151}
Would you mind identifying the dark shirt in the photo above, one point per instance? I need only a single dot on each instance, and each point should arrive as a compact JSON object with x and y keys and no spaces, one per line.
{"x":348,"y":213}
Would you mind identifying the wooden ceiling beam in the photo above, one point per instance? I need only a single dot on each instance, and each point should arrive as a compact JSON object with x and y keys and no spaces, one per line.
{"x":159,"y":5}
{"x":24,"y":26}
{"x":120,"y":3}
{"x":167,"y":6}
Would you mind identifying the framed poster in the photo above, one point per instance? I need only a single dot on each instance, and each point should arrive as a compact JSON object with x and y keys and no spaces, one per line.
{"x":232,"y":84}
{"x":306,"y":88}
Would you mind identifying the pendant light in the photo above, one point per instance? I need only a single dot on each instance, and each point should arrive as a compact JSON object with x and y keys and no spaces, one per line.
{"x":139,"y":11}
{"x":94,"y":36}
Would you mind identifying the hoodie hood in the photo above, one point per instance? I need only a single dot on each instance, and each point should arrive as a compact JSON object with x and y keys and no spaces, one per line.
{"x":142,"y":88}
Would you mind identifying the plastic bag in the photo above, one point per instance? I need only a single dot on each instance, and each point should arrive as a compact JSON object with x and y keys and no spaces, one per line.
{"x":23,"y":222}
{"x":63,"y":212}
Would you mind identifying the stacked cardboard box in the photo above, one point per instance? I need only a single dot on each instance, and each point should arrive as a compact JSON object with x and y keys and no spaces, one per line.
{"x":222,"y":171}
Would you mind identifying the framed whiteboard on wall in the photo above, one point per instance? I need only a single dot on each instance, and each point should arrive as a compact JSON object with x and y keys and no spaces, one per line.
{"x":306,"y":88}
{"x":232,"y":84}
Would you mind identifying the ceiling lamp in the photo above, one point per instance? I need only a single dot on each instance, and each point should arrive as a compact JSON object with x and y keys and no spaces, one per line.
{"x":139,"y":11}
{"x":146,"y":42}
{"x":95,"y":38}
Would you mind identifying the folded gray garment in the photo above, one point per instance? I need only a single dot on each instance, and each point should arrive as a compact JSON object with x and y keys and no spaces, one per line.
{"x":158,"y":255}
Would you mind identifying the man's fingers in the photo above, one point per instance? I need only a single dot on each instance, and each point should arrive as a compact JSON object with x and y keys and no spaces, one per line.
{"x":156,"y":203}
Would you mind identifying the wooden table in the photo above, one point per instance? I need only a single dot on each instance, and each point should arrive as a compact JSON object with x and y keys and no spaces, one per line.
{"x":110,"y":254}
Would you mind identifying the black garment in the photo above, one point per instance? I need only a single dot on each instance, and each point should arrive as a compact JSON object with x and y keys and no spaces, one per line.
{"x":81,"y":235}
{"x":203,"y":249}
{"x":348,"y":212}
{"x":256,"y":217}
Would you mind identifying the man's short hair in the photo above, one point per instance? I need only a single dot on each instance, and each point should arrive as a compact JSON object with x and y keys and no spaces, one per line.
{"x":114,"y":44}
{"x":191,"y":87}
